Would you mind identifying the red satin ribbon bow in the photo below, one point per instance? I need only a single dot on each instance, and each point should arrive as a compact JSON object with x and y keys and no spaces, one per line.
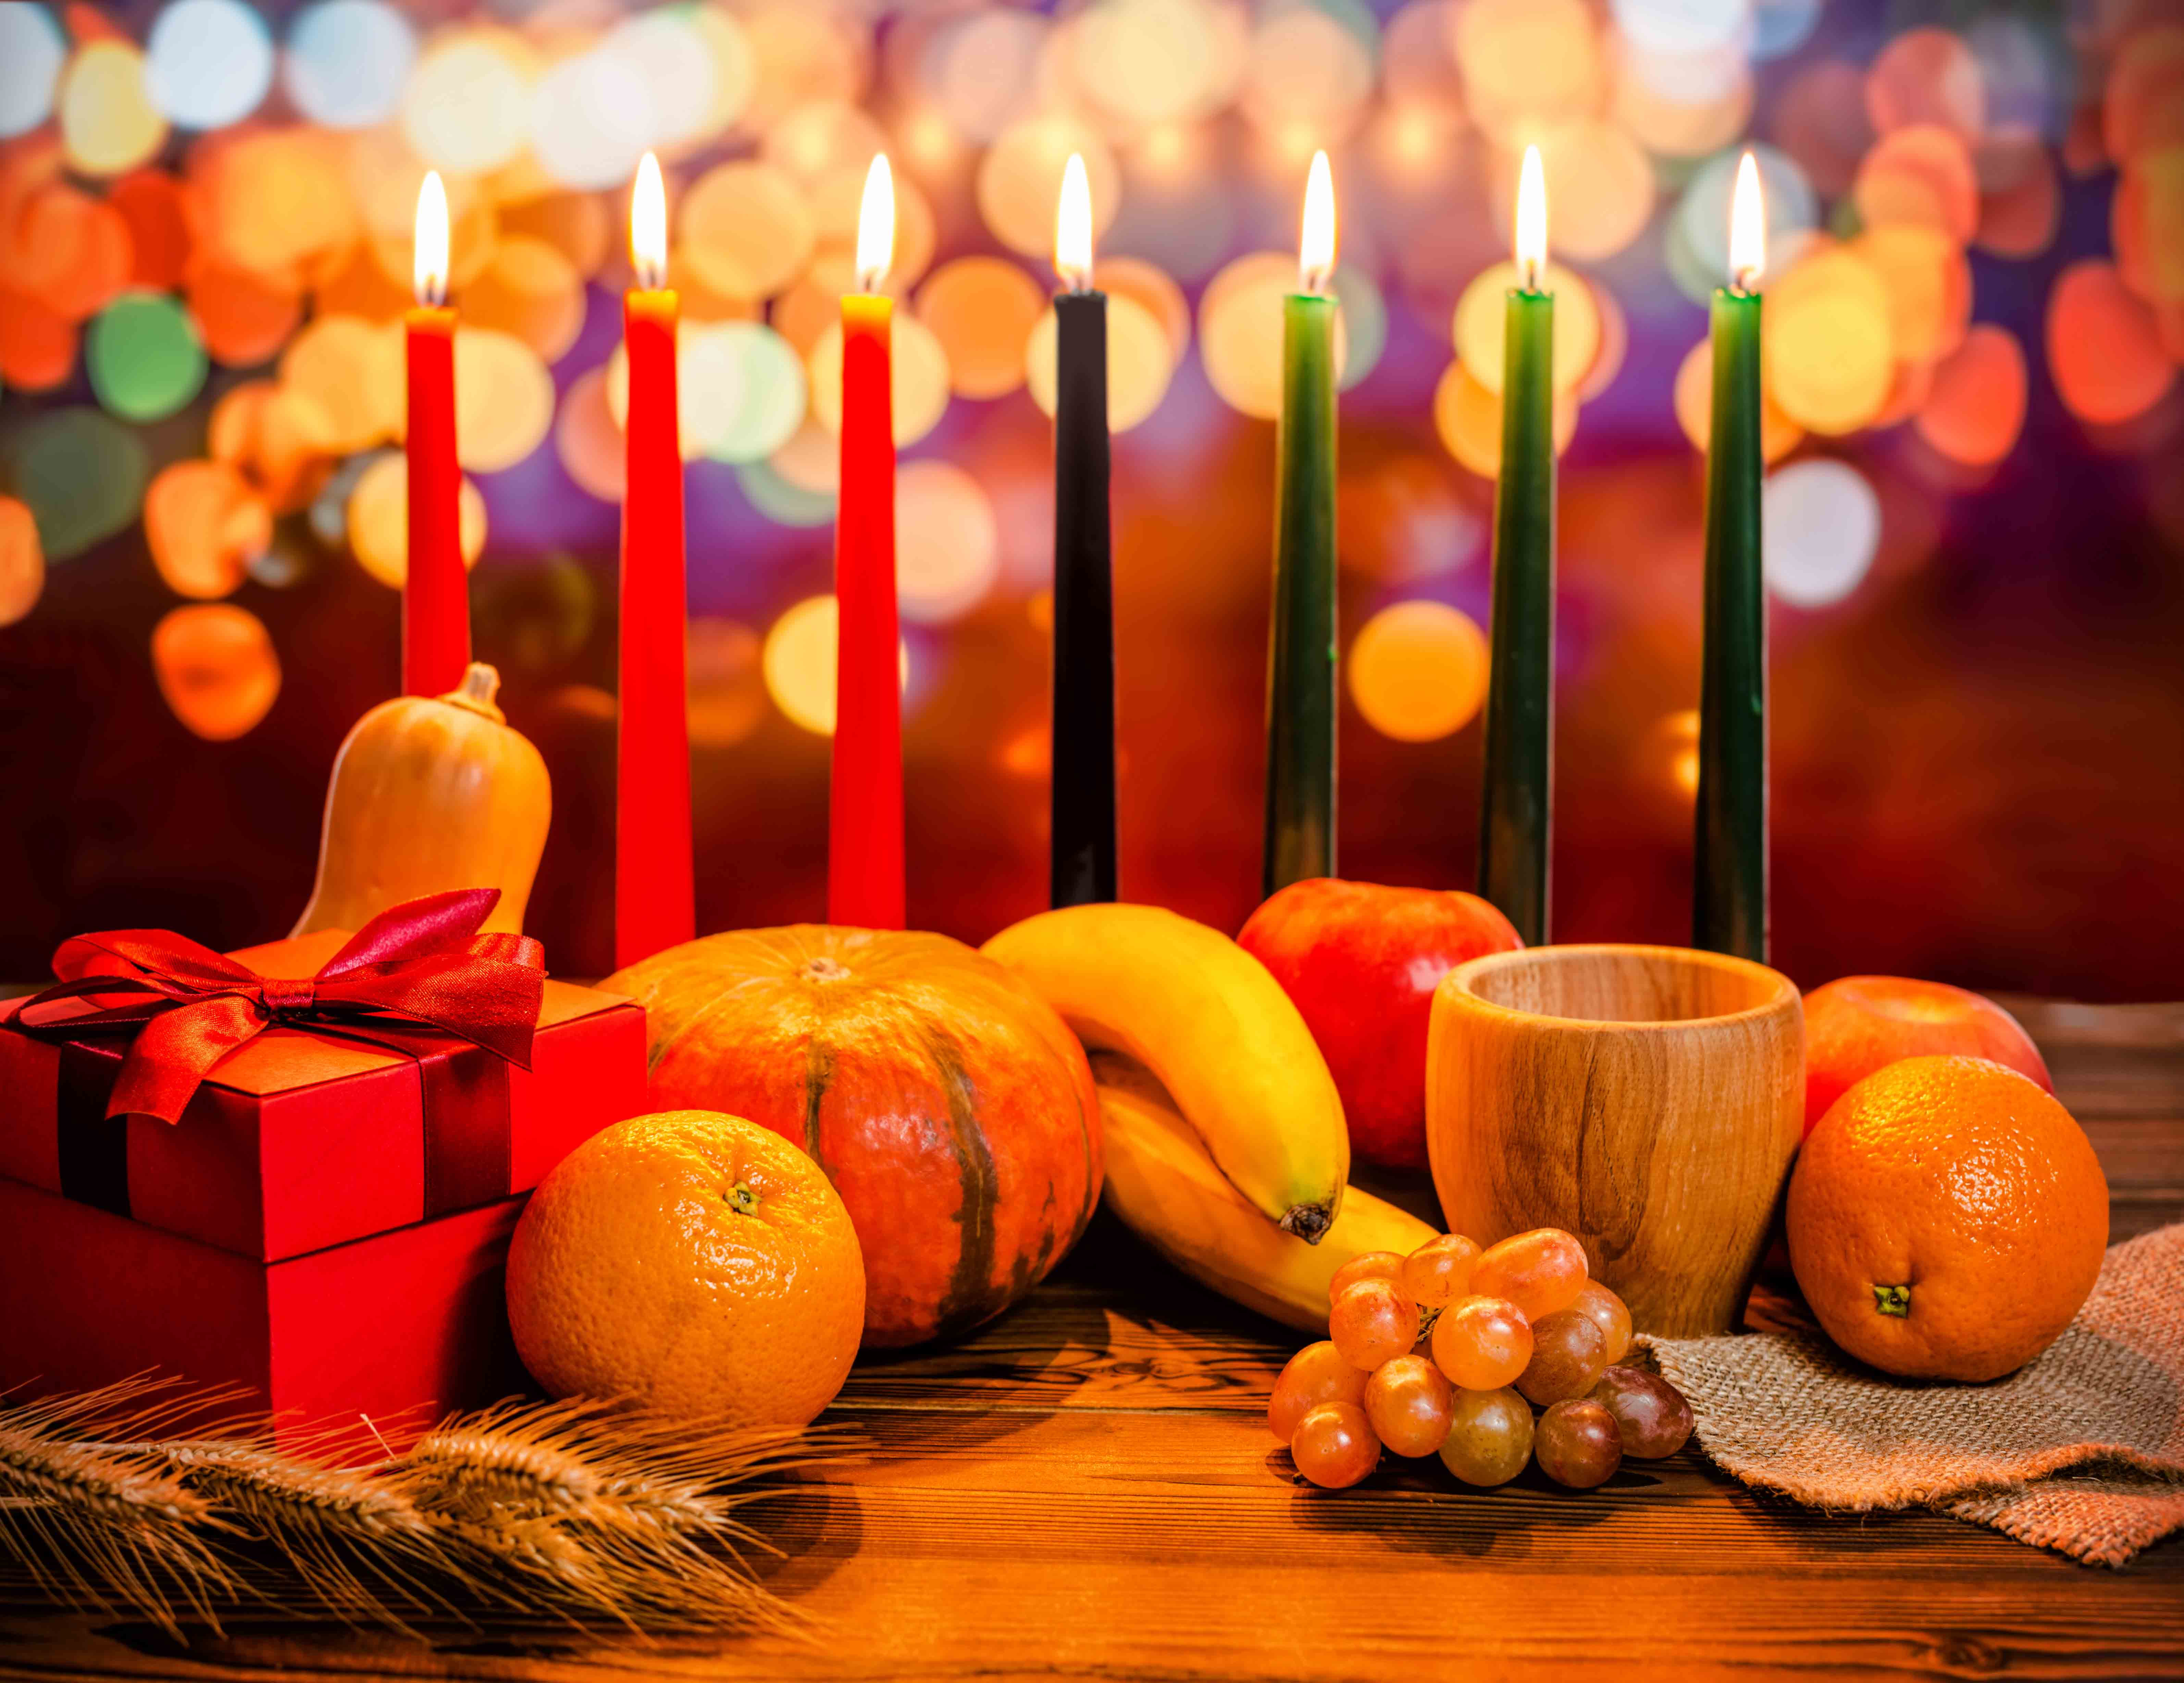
{"x":423,"y":962}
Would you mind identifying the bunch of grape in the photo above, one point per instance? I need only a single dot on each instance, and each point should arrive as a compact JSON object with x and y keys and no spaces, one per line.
{"x":1447,"y":1349}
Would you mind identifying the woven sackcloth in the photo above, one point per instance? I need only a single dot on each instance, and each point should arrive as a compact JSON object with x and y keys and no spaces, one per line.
{"x":2081,"y":1450}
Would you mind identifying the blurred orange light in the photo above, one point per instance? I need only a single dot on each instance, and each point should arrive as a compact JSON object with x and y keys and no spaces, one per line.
{"x":2104,"y":345}
{"x":1927,"y":75}
{"x":204,"y":525}
{"x":1417,"y":670}
{"x":1977,"y":407}
{"x":1829,"y":354}
{"x":588,"y":441}
{"x":1923,"y":175}
{"x":983,"y":309}
{"x":1929,"y":284}
{"x":22,"y":562}
{"x":216,"y":667}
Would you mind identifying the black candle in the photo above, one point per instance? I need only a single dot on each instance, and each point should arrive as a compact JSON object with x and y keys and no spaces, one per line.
{"x":1082,"y":842}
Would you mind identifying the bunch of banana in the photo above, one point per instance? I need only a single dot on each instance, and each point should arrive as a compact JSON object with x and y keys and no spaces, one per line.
{"x":1163,"y":1183}
{"x":1225,"y":1142}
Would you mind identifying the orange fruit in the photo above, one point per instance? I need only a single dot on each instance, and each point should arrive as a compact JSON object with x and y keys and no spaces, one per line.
{"x":693,"y":1262}
{"x":1946,"y":1218}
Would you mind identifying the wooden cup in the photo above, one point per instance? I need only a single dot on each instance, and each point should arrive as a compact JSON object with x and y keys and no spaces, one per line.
{"x":1648,"y":1100}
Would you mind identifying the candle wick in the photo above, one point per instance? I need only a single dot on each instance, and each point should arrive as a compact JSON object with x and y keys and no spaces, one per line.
{"x":1747,"y":279}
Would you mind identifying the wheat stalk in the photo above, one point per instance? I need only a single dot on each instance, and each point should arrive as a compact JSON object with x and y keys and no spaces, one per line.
{"x":588,"y":1513}
{"x":107,"y":1527}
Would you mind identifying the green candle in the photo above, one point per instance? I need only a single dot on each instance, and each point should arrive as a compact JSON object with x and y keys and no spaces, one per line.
{"x":1300,"y":834}
{"x":1516,"y":805}
{"x":1729,"y":901}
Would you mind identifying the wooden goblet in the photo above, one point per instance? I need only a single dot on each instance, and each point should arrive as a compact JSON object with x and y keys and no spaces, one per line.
{"x":1648,"y":1100}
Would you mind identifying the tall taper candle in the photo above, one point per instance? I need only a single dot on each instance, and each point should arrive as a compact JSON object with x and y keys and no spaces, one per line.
{"x":654,"y":892}
{"x":864,"y":813}
{"x":1516,"y":806}
{"x":1301,"y":711}
{"x":1082,"y":842}
{"x":1729,"y":897}
{"x":436,"y":590}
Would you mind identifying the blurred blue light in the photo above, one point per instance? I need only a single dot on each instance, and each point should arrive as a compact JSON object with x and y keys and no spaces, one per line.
{"x":348,"y":61}
{"x":209,"y":62}
{"x":31,"y":53}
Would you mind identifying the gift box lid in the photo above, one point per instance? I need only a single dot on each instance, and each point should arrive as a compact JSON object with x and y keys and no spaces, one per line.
{"x":298,"y":1140}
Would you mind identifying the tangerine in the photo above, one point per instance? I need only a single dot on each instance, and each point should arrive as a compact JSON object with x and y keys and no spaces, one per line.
{"x":1946,"y":1218}
{"x":693,"y":1262}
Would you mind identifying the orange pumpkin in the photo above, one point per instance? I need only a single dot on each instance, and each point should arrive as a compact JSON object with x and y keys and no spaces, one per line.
{"x":953,"y":1110}
{"x":431,"y":793}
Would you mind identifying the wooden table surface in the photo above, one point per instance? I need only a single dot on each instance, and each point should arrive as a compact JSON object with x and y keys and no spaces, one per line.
{"x":1087,"y":1489}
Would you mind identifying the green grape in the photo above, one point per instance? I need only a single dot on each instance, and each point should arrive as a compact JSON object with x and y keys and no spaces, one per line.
{"x":1482,"y":1343}
{"x":1335,"y":1446}
{"x":1316,"y":1373}
{"x":1489,"y":1437}
{"x":1372,"y":1322}
{"x":1365,"y":1265}
{"x":1539,"y":1271}
{"x":1439,"y":1271}
{"x":1408,"y":1403}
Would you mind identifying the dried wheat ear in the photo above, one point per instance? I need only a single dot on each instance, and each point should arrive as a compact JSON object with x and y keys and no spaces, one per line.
{"x":584,"y":1514}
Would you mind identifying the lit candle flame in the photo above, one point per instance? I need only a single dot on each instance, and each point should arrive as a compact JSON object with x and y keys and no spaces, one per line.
{"x":1747,"y":229}
{"x":1315,"y":247}
{"x":1531,"y":222}
{"x":876,"y":227}
{"x":1072,"y":229}
{"x":647,"y":226}
{"x":429,"y":249}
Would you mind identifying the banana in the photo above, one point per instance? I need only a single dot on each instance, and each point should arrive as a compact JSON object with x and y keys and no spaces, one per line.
{"x":1165,"y":1187}
{"x":1216,"y":1029}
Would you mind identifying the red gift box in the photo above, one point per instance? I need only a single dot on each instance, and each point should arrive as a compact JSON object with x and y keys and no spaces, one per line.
{"x":296,"y":1141}
{"x":325,"y":1217}
{"x":398,"y":1328}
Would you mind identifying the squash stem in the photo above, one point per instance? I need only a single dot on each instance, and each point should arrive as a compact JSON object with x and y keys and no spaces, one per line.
{"x":480,"y":684}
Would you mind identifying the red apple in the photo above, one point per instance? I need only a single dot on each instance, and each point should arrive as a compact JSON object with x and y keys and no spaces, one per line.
{"x":1857,"y":1025}
{"x":1361,"y":963}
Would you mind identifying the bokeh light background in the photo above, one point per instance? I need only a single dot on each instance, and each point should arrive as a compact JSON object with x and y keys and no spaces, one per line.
{"x":1975,"y":520}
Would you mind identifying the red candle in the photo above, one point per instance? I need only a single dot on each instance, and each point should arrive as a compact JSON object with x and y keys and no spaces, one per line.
{"x":864,"y":834}
{"x":436,"y":603}
{"x":653,"y":891}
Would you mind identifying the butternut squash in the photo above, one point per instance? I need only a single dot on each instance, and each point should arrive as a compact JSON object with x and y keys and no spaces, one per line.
{"x":431,"y":793}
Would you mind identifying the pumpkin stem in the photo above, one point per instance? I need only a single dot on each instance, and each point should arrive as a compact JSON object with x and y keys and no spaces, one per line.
{"x":742,"y":1200}
{"x":824,"y":969}
{"x":480,"y":684}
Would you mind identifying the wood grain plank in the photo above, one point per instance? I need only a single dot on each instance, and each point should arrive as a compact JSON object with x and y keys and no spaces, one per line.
{"x":1086,"y":1489}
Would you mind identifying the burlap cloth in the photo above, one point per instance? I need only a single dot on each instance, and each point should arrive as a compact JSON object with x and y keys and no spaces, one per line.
{"x":2081,"y":1450}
